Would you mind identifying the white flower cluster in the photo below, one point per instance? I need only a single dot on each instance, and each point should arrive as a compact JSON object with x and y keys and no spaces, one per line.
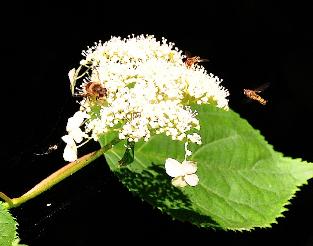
{"x":148,"y":89}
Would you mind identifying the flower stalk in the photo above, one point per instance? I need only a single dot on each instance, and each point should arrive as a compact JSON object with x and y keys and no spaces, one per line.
{"x":58,"y":176}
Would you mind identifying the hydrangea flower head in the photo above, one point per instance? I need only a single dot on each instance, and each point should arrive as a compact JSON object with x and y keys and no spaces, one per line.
{"x":149,"y":90}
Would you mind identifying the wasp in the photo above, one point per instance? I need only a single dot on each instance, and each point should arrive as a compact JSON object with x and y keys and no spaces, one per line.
{"x":253,"y":94}
{"x":191,"y":60}
{"x":94,"y":90}
{"x":49,"y":150}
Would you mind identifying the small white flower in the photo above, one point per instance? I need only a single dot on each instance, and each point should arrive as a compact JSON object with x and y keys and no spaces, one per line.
{"x":188,"y":152}
{"x":194,"y":138}
{"x":182,"y":173}
{"x":75,"y":135}
{"x":70,"y":150}
{"x":76,"y":120}
{"x":73,"y":126}
{"x":71,"y":75}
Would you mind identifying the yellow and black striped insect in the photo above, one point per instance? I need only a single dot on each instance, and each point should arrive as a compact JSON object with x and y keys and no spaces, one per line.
{"x":253,"y":94}
{"x":191,"y":60}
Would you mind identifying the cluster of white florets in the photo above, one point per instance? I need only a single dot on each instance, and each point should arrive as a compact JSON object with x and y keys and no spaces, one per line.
{"x":149,"y":90}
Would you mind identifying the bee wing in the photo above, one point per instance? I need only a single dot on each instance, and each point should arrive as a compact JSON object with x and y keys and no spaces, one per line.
{"x":187,"y":54}
{"x":262,"y":87}
{"x":204,"y":60}
{"x":246,"y":100}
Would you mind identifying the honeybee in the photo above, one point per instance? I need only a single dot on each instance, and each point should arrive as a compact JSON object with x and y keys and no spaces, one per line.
{"x":191,"y":60}
{"x":94,"y":90}
{"x":253,"y":94}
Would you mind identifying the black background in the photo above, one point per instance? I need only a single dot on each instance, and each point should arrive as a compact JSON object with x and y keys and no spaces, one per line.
{"x":248,"y":43}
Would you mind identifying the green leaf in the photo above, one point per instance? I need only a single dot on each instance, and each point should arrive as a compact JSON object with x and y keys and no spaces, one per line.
{"x":8,"y":226}
{"x":243,"y":183}
{"x":16,"y":242}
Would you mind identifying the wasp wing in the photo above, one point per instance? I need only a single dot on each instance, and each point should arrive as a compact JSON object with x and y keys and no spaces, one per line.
{"x":262,"y":87}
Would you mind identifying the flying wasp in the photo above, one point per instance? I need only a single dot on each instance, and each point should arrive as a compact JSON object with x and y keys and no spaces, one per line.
{"x":49,"y":150}
{"x":191,"y":60}
{"x":253,"y":94}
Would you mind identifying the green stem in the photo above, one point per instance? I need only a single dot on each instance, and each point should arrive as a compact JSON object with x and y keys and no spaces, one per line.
{"x":58,"y":176}
{"x":6,"y":198}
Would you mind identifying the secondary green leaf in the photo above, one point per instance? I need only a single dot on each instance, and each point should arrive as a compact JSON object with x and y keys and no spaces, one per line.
{"x":243,"y":184}
{"x":8,"y":227}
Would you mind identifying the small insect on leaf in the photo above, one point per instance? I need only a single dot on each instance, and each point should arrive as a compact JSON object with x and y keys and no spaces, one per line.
{"x":253,"y":94}
{"x":129,"y":154}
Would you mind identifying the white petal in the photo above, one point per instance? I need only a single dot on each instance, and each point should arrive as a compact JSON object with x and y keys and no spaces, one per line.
{"x":189,"y":167}
{"x":70,"y":152}
{"x":76,"y":120}
{"x":68,"y":139}
{"x":72,"y":123}
{"x":179,"y":182}
{"x":192,"y":179}
{"x":71,"y":74}
{"x":173,"y":168}
{"x":79,"y":115}
{"x":77,"y":135}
